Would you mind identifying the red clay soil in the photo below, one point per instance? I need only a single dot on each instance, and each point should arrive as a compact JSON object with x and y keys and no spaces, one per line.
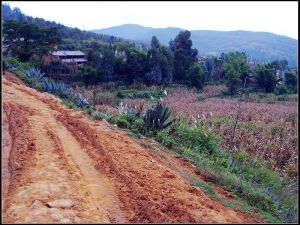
{"x":61,"y":167}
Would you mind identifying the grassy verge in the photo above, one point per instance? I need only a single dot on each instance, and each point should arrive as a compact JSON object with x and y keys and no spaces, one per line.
{"x":240,"y":174}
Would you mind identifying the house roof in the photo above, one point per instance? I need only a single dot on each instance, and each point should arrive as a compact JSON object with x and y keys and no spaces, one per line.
{"x":67,"y":53}
{"x":73,"y":60}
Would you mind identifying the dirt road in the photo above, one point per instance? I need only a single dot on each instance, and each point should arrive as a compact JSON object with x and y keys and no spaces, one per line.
{"x":60,"y":167}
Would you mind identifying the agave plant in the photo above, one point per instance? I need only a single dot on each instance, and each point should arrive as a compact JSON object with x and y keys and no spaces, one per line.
{"x":35,"y":74}
{"x":157,"y":118}
{"x":10,"y":67}
{"x":80,"y":100}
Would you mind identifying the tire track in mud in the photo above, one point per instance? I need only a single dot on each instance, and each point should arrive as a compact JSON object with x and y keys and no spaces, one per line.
{"x":105,"y":174}
{"x":59,"y":171}
{"x":157,"y":190}
{"x":99,"y":186}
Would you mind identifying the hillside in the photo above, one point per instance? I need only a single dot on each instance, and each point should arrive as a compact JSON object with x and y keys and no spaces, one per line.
{"x":59,"y":166}
{"x":262,"y":46}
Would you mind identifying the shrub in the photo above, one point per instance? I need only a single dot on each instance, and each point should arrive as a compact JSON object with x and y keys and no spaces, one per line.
{"x":70,"y":104}
{"x":122,"y":122}
{"x":165,"y":138}
{"x":132,"y":94}
{"x":138,"y":124}
{"x":15,"y":66}
{"x":36,"y":85}
{"x":197,"y":138}
{"x":129,"y":117}
{"x":282,"y":98}
{"x":280,"y":90}
{"x":96,"y":115}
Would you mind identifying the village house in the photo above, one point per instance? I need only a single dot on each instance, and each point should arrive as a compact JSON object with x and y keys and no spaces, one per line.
{"x":63,"y":64}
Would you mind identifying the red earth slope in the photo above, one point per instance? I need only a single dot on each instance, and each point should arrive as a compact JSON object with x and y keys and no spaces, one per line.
{"x":58,"y":167}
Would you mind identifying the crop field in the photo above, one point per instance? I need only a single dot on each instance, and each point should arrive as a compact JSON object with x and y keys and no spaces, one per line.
{"x":268,"y":131}
{"x":266,"y":128}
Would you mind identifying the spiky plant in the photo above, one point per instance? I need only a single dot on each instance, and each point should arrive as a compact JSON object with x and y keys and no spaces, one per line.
{"x":35,"y":74}
{"x":157,"y":118}
{"x":80,"y":100}
{"x":10,"y":67}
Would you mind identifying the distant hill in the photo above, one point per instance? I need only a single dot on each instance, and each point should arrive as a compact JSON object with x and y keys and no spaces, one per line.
{"x":261,"y":46}
{"x":66,"y":32}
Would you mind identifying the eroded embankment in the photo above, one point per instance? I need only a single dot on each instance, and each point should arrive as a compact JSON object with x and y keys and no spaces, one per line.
{"x":66,"y":168}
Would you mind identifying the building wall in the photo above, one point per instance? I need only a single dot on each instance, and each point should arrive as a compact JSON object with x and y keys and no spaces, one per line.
{"x":60,"y":70}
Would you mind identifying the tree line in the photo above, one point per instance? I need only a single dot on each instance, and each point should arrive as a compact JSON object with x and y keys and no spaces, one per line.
{"x":158,"y":65}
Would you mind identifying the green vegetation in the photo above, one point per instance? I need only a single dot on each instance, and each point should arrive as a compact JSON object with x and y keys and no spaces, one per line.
{"x":132,"y":68}
{"x":157,"y":118}
{"x":143,"y":94}
{"x":241,"y":174}
{"x":96,"y":115}
{"x":27,"y":41}
{"x":236,"y":70}
{"x":266,"y":78}
{"x":160,"y":64}
{"x":35,"y":79}
{"x":291,"y":81}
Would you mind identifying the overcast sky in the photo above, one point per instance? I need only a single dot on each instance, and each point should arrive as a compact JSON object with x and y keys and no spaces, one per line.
{"x":276,"y":17}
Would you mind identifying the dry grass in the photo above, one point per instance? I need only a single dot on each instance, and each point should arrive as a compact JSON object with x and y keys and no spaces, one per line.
{"x":268,"y":131}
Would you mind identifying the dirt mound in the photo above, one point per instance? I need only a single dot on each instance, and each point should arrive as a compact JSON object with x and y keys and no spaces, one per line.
{"x":61,"y":167}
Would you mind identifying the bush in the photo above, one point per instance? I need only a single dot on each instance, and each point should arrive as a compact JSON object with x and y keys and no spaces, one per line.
{"x":96,"y":115}
{"x":15,"y":66}
{"x":70,"y":104}
{"x":138,"y":125}
{"x":122,"y":122}
{"x":197,"y":138}
{"x":35,"y":79}
{"x":281,"y":90}
{"x":131,"y":93}
{"x":282,"y":98}
{"x":165,"y":138}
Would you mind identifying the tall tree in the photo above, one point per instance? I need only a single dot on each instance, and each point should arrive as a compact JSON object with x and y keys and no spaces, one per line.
{"x":26,"y":40}
{"x":102,"y":58}
{"x":266,"y":77}
{"x":160,"y":64}
{"x":291,"y":79}
{"x":196,"y":75}
{"x":236,"y":69}
{"x":184,"y":55}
